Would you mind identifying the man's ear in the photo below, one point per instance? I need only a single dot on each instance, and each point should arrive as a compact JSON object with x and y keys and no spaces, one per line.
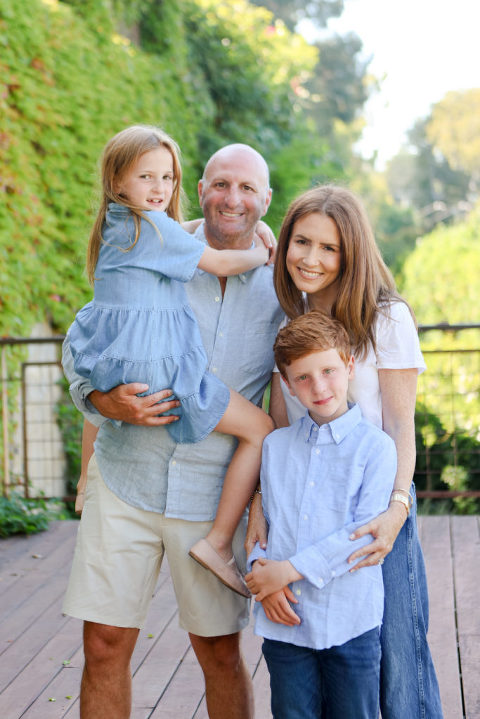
{"x":268,"y":200}
{"x":288,"y":385}
{"x":200,"y":191}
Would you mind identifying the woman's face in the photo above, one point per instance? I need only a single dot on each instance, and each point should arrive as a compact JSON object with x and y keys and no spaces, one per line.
{"x":314,"y":256}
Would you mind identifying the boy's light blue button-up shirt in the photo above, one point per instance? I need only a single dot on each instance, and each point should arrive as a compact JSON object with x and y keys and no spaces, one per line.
{"x":143,"y":465}
{"x":319,"y":483}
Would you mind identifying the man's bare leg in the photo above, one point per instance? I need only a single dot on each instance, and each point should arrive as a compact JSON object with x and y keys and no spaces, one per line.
{"x":106,"y":690}
{"x":228,"y":685}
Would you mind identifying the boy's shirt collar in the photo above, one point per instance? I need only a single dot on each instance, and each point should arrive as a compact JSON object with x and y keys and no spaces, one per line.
{"x":337,"y":430}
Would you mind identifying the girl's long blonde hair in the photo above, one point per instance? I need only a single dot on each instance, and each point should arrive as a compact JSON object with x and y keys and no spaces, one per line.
{"x":366,"y":283}
{"x":120,"y":153}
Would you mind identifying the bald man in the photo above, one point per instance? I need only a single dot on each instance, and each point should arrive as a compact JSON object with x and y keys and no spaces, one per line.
{"x":160,"y":497}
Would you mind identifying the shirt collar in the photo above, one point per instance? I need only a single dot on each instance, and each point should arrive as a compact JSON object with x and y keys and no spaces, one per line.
{"x":337,"y":430}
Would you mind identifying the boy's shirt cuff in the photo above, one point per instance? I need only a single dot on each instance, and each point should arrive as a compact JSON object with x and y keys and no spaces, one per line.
{"x":256,"y":553}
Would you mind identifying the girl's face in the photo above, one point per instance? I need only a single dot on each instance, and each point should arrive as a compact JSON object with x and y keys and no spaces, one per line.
{"x":314,"y":256}
{"x":148,"y":183}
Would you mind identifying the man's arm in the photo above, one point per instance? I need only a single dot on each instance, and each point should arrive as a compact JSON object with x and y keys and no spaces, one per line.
{"x":121,"y":403}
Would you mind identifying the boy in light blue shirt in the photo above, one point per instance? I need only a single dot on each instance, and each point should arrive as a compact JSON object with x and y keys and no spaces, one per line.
{"x":325,"y":475}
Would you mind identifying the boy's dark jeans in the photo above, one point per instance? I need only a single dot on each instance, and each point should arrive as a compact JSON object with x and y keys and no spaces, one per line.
{"x":337,"y":683}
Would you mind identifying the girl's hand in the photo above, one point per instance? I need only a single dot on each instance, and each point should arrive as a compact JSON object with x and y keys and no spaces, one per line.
{"x":191,"y":225}
{"x":260,"y":244}
{"x":257,"y":525}
{"x":269,"y":240}
{"x":385,"y":529}
{"x":278,"y":609}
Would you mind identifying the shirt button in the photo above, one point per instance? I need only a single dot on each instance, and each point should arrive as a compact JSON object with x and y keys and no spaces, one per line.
{"x":220,"y":334}
{"x":214,"y":369}
{"x":298,"y":592}
{"x":334,"y":574}
{"x":317,"y":451}
{"x":217,"y":299}
{"x":315,"y":429}
{"x":320,"y":582}
{"x":312,"y":484}
{"x":305,"y":516}
{"x":174,"y":462}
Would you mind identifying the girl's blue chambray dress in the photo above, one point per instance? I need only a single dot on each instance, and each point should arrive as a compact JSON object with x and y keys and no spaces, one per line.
{"x":139,"y":326}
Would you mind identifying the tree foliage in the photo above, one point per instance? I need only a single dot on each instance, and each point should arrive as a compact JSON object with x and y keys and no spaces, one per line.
{"x":224,"y":72}
{"x":292,"y":11}
{"x":441,"y":274}
{"x":454,"y":128}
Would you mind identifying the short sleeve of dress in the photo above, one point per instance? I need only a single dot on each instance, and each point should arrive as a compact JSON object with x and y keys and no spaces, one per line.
{"x":180,"y":252}
{"x":163,"y":246}
{"x":398,"y":346}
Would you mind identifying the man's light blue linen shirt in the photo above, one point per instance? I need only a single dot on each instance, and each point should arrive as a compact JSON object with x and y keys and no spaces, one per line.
{"x":143,"y":465}
{"x":319,"y":483}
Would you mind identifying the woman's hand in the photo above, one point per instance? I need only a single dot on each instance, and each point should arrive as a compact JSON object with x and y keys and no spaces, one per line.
{"x":257,"y":525}
{"x":268,"y":238}
{"x":385,"y":529}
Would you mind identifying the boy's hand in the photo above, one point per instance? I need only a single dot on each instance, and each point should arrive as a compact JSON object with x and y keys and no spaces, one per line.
{"x":269,"y":575}
{"x":278,"y":609}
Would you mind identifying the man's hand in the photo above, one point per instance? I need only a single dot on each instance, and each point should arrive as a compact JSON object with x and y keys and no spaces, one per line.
{"x":122,"y":403}
{"x":278,"y":609}
{"x":269,"y":576}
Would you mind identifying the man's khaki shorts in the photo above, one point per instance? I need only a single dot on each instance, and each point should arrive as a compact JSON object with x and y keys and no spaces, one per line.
{"x":117,"y":560}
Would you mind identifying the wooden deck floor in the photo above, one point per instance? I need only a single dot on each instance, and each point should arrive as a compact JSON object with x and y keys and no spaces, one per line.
{"x":41,"y":651}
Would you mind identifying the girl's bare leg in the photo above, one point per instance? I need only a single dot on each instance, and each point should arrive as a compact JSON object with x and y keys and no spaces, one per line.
{"x":250,"y":425}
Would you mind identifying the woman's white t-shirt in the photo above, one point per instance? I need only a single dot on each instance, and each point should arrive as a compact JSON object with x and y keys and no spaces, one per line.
{"x":398,"y":347}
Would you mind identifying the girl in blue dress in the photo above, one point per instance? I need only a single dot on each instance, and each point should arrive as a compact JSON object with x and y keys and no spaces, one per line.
{"x":139,"y":326}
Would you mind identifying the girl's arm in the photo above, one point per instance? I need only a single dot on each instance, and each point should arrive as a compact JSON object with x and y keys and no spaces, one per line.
{"x":262,"y":230}
{"x":398,"y":389}
{"x":89,"y":435}
{"x":224,"y":263}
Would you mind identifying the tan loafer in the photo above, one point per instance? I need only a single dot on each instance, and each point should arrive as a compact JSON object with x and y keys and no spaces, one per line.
{"x":227,"y":572}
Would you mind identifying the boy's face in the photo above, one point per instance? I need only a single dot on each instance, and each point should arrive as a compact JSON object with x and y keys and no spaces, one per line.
{"x":320,"y":381}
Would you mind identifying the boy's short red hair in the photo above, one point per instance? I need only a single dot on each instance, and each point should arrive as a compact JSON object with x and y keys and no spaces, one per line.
{"x":314,"y":331}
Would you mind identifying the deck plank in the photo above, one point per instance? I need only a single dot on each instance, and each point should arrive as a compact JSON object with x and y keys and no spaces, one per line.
{"x":167,"y":681}
{"x":466,"y":545}
{"x":442,"y":637}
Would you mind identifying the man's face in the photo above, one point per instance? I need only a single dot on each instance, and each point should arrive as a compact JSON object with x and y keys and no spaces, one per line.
{"x":234,"y":194}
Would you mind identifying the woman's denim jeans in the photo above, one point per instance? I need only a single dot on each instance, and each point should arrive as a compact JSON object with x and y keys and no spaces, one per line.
{"x":408,"y":684}
{"x":337,"y":683}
